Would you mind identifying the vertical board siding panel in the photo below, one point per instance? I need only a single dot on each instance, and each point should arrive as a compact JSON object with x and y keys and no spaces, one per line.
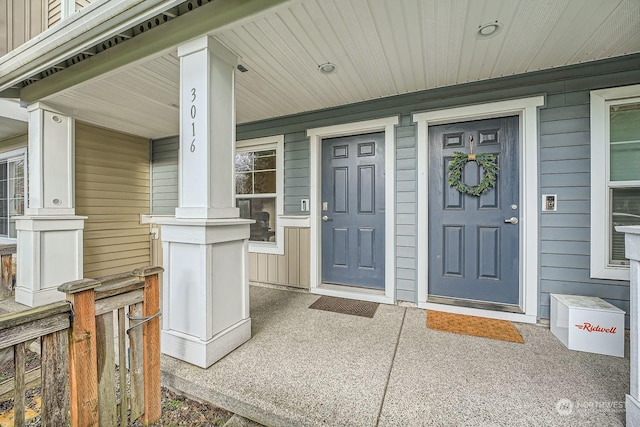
{"x":272,"y":268}
{"x":262,"y":268}
{"x":253,"y":267}
{"x":21,"y":21}
{"x":283,"y":269}
{"x":305,"y":257}
{"x":294,"y":256}
{"x":112,"y":190}
{"x":4,"y":29}
{"x":290,"y":269}
{"x":283,"y":261}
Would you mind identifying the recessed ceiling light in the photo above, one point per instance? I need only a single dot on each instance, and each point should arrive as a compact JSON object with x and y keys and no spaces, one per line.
{"x":327,"y":68}
{"x":489,"y":30}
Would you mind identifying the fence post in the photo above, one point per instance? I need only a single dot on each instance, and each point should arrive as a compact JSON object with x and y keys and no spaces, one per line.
{"x":83,"y":355}
{"x":151,"y":343}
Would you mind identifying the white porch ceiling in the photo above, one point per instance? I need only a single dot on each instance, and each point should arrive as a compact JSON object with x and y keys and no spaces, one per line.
{"x":381,"y":48}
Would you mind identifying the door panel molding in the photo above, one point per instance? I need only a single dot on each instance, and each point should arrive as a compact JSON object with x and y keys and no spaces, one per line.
{"x":386,"y":125}
{"x":526,"y":109}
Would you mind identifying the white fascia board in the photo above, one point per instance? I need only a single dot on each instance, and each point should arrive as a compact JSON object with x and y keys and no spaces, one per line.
{"x":86,"y":28}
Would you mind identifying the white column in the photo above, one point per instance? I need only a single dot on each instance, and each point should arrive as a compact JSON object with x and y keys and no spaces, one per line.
{"x":50,"y":234}
{"x":632,"y":248}
{"x":205,"y":283}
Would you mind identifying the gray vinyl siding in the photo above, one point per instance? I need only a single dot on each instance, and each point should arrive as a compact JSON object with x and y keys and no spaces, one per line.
{"x":296,"y":171}
{"x":406,"y":209}
{"x":564,"y":166}
{"x":164,"y":176}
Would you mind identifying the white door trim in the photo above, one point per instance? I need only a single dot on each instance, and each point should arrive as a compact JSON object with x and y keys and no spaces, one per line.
{"x":316,"y":135}
{"x":526,"y":109}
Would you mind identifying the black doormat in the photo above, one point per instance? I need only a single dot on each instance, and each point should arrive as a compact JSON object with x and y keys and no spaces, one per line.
{"x":346,"y":306}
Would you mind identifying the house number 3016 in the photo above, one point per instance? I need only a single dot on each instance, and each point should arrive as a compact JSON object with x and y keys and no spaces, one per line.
{"x":192,"y":113}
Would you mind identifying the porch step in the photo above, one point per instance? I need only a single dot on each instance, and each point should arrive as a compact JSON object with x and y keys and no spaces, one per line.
{"x":238,"y":421}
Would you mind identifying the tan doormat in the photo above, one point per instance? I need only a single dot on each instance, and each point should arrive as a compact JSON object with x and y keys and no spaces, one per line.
{"x":471,"y":325}
{"x":346,"y":306}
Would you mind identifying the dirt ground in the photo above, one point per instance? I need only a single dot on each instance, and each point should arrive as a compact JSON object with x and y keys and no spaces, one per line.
{"x":177,"y":410}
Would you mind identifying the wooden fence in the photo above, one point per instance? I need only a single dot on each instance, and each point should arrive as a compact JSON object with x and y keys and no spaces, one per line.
{"x":82,"y":339}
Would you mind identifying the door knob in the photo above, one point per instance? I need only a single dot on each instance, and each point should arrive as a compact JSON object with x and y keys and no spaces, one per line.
{"x":512,"y":220}
{"x":325,"y":218}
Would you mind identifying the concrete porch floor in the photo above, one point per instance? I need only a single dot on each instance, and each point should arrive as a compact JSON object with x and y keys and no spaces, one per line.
{"x":307,"y":367}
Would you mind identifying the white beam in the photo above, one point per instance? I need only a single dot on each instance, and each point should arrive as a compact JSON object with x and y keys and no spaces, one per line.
{"x":11,"y":109}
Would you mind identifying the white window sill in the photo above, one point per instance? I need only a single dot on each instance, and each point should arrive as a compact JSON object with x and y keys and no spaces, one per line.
{"x":611,"y":273}
{"x":266,"y":248}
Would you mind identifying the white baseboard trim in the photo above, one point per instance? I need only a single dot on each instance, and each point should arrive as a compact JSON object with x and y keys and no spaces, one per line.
{"x":205,"y":353}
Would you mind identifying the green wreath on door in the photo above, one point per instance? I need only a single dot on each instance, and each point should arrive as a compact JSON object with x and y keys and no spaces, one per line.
{"x":486,"y":161}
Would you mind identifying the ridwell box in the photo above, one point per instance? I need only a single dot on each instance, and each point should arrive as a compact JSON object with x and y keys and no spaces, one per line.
{"x":588,"y":324}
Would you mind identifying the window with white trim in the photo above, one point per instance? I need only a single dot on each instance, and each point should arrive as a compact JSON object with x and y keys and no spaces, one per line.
{"x":259,"y":180}
{"x":615,"y":177}
{"x":12,"y":191}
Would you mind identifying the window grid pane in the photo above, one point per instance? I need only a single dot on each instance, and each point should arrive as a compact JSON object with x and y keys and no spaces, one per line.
{"x":4,"y":207}
{"x":263,"y":211}
{"x":625,"y":210}
{"x":256,"y":192}
{"x":624,"y":139}
{"x":16,"y":194}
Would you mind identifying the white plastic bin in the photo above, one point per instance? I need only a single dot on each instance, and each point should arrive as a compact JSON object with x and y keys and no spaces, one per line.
{"x":588,"y":324}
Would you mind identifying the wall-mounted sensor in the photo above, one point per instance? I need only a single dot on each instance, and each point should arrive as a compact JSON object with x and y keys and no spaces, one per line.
{"x":549,"y":202}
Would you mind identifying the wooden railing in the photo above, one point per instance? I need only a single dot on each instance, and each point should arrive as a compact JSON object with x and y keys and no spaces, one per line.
{"x":50,"y":322}
{"x":103,"y":313}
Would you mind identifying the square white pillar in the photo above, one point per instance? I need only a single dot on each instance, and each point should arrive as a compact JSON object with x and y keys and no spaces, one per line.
{"x":50,"y":234}
{"x":206,"y":289}
{"x":632,"y":251}
{"x":205,"y":283}
{"x":207,"y":130}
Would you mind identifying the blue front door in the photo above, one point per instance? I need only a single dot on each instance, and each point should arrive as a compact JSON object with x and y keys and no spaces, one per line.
{"x":353,"y":210}
{"x":474,"y":241}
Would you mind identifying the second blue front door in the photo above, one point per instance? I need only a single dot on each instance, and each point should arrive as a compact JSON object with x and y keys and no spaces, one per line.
{"x":353,"y":215}
{"x":474,"y":243}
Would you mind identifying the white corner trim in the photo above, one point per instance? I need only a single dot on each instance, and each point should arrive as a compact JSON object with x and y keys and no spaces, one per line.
{"x":600,"y":233}
{"x":386,"y":124}
{"x":277,"y":247}
{"x":526,"y":108}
